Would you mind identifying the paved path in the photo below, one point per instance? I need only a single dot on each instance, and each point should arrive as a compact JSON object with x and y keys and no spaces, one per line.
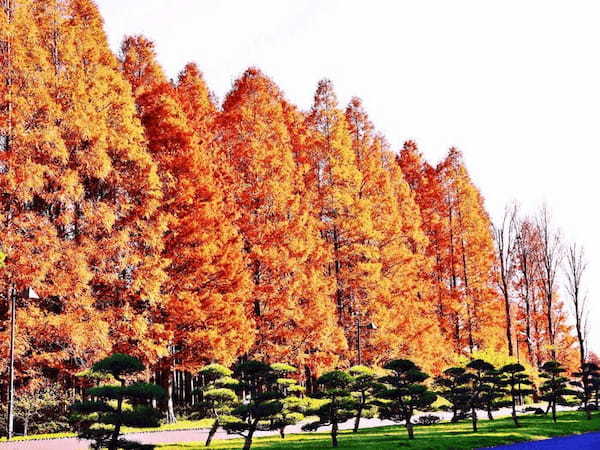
{"x":586,"y":441}
{"x":166,"y":437}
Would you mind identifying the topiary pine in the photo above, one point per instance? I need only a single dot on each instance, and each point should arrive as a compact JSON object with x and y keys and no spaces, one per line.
{"x":475,"y":381}
{"x":116,"y":405}
{"x":493,"y":392}
{"x":404,"y":393}
{"x":517,"y":384}
{"x":262,"y":402}
{"x":364,"y":387}
{"x":452,"y":386}
{"x":555,"y":387}
{"x":335,"y":387}
{"x":218,"y":397}
{"x":585,"y":384}
{"x":294,"y":406}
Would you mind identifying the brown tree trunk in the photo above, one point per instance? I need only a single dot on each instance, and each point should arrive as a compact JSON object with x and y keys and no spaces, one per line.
{"x":113,"y":444}
{"x":454,"y":415}
{"x":248,"y":437}
{"x":474,"y":418}
{"x":334,"y":433}
{"x":514,"y":411}
{"x":410,"y":429}
{"x":166,"y":380}
{"x":359,"y":414}
{"x":212,"y":432}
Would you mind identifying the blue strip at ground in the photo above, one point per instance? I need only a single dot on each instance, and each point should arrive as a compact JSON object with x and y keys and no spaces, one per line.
{"x":587,"y":441}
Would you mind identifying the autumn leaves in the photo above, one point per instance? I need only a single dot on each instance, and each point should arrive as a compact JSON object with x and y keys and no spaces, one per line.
{"x":157,"y":223}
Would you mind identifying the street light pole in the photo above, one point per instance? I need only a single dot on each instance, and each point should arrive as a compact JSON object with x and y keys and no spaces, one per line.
{"x":28,"y":294}
{"x":11,"y":363}
{"x":358,"y":338}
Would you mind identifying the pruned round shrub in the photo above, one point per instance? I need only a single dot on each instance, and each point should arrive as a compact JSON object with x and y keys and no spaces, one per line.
{"x":534,"y":410}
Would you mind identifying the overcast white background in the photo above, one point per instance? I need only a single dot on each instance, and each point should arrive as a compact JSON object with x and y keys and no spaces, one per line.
{"x":514,"y":84}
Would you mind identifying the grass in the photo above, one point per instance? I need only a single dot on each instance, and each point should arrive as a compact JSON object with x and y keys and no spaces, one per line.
{"x":179,"y":425}
{"x":31,"y":437}
{"x":444,"y":436}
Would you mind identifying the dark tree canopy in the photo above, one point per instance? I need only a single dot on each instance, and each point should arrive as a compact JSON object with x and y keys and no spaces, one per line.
{"x":404,"y":393}
{"x":101,"y":418}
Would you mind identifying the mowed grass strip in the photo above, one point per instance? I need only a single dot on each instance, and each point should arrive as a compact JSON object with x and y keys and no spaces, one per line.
{"x":444,"y":436}
{"x":177,"y":426}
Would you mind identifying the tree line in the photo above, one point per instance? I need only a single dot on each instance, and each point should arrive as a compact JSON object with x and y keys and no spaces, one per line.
{"x":155,"y":221}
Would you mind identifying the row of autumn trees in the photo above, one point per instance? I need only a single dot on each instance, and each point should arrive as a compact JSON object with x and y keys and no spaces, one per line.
{"x":155,"y":222}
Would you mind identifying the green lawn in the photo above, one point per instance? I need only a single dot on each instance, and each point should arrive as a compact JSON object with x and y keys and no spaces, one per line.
{"x":437,"y":437}
{"x":179,"y":425}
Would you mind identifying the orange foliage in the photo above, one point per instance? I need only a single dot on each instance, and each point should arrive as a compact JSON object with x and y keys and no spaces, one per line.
{"x":461,"y":246}
{"x":207,"y":284}
{"x":289,"y":302}
{"x":153,"y":221}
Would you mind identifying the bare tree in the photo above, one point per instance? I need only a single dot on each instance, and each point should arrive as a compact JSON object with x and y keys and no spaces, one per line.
{"x":525,"y":272}
{"x":575,"y":269}
{"x":550,"y":258}
{"x":504,"y":237}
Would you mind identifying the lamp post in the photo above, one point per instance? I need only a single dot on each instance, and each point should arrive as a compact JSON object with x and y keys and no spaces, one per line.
{"x":27,"y":294}
{"x":368,"y":326}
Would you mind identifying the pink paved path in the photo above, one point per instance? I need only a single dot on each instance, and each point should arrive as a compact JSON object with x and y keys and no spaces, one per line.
{"x":166,"y":437}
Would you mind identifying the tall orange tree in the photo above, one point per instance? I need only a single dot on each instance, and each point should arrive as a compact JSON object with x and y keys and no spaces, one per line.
{"x":479,"y":318}
{"x":461,"y":246}
{"x":346,"y":219}
{"x":198,"y":104}
{"x":207,"y":282}
{"x":289,"y":302}
{"x":52,"y":215}
{"x":408,"y":325}
{"x":528,"y":325}
{"x":425,"y":184}
{"x":111,"y":219}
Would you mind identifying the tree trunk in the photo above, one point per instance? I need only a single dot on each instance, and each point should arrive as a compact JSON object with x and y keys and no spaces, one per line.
{"x":514,"y":412}
{"x":189,"y":388}
{"x":167,"y":384}
{"x":489,"y":412}
{"x":334,"y":432}
{"x":282,"y":432}
{"x":588,"y":413}
{"x":212,"y":432}
{"x":25,"y":425}
{"x":115,"y":435}
{"x":248,"y":438}
{"x":454,"y":416}
{"x":474,"y":418}
{"x":410,"y":429}
{"x":508,"y":323}
{"x":554,"y":412}
{"x":357,"y":420}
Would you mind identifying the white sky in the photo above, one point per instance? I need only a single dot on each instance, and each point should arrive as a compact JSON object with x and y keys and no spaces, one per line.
{"x":515,"y":85}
